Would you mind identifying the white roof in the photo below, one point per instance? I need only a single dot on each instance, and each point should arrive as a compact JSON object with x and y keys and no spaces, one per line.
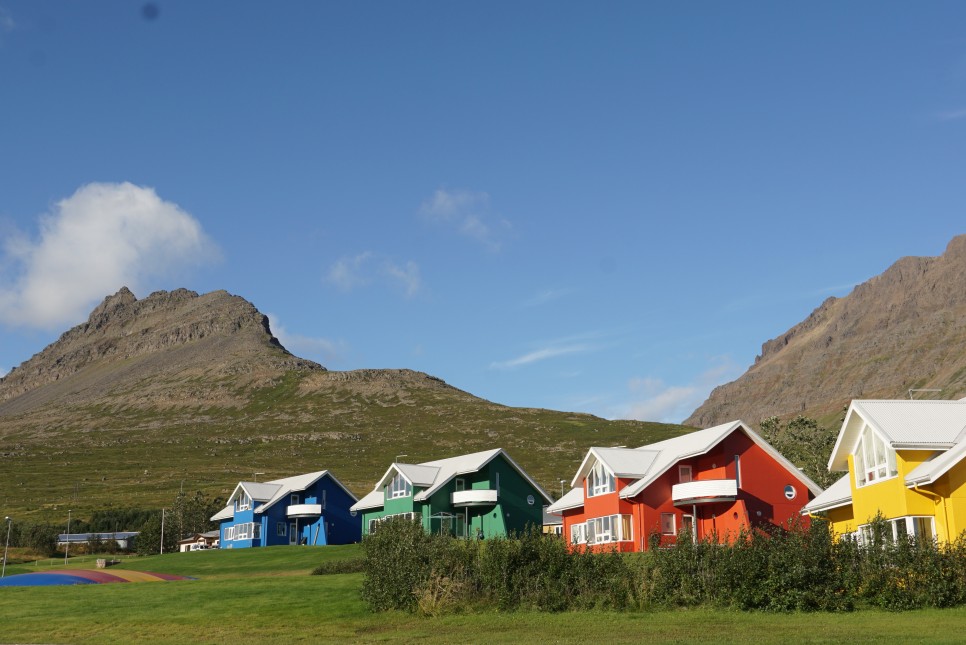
{"x":836,"y":495}
{"x":433,"y":475}
{"x":656,"y":458}
{"x":272,"y":491}
{"x":925,"y":425}
{"x":937,"y":466}
{"x":375,"y":499}
{"x":573,"y":499}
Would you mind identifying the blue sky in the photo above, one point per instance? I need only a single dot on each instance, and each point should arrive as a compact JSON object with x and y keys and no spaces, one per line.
{"x":596,"y":207}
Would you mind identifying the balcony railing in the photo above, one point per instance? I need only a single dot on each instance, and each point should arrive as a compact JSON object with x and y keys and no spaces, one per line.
{"x":480,"y":497}
{"x":304,"y":510}
{"x":704,"y":492}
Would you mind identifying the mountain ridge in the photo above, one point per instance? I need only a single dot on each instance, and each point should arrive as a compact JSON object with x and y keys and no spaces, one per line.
{"x":902,"y":330}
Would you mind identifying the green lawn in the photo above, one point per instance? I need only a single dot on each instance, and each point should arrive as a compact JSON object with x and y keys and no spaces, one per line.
{"x":267,"y":596}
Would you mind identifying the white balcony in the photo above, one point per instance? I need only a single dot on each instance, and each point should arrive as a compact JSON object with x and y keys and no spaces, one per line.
{"x":304,"y":510}
{"x":705,"y":491}
{"x":481,"y":497}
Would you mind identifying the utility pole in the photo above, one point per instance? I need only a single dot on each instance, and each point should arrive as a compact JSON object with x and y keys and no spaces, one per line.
{"x":67,"y":546}
{"x":162,"y":531}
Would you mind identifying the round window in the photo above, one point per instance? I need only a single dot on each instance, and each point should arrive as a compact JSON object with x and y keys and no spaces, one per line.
{"x":530,"y":500}
{"x":790,"y":492}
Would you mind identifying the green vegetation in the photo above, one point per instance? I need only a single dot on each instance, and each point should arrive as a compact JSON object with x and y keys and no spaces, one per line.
{"x":803,"y":568}
{"x":806,"y":443}
{"x":126,"y":453}
{"x":266,"y":596}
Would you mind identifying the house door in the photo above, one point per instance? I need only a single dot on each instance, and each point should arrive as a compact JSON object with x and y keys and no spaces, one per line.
{"x":293,"y":533}
{"x":688,"y":526}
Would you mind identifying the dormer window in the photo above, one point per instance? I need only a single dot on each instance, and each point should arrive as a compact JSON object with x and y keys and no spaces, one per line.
{"x":600,"y":481}
{"x":874,"y":460}
{"x":399,"y":487}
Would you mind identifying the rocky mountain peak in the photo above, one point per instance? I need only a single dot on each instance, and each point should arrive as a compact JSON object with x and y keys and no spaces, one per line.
{"x":903,"y":329}
{"x":173,"y":331}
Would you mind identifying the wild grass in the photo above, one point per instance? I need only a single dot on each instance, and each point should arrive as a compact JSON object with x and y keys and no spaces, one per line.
{"x":268,"y":596}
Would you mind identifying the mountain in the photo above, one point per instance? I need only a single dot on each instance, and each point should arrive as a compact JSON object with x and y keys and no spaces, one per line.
{"x":186,"y":391}
{"x":901,"y":331}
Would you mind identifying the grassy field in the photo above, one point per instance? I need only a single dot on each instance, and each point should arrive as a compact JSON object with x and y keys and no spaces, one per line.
{"x":268,"y":596}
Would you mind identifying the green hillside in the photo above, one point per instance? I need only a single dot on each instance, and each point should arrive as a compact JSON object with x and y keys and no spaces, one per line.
{"x":121,"y":452}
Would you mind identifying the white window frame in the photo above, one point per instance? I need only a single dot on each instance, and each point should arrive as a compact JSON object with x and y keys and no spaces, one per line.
{"x":665,"y":517}
{"x":293,"y":498}
{"x":256,"y":530}
{"x":606,"y":529}
{"x":244,"y":501}
{"x":399,"y":487}
{"x":900,"y":527}
{"x":600,"y":480}
{"x":230,"y":532}
{"x":243,"y":530}
{"x":873,"y":459}
{"x":685,"y":474}
{"x":578,"y":533}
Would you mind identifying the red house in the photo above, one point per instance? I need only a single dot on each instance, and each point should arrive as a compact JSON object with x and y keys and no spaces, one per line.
{"x":712,"y":482}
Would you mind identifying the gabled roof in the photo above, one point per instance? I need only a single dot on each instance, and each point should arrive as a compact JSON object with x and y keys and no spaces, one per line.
{"x":573,"y":499}
{"x":837,"y":495}
{"x":655,"y":459}
{"x":936,"y":466}
{"x":923,"y":425}
{"x":433,"y":475}
{"x":270,"y":492}
{"x":416,"y":474}
{"x":375,"y":499}
{"x":622,"y":462}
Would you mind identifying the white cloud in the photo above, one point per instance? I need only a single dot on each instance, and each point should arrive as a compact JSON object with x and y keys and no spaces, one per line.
{"x":319,"y":348}
{"x":546,"y":296}
{"x":651,"y":399}
{"x":540,"y":355}
{"x":102,"y":237}
{"x":952,"y":115}
{"x":366,"y":268}
{"x":469,"y":213}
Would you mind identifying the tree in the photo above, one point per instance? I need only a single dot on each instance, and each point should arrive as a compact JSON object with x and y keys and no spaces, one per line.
{"x":190,"y":514}
{"x":149,"y":540}
{"x":804,"y":443}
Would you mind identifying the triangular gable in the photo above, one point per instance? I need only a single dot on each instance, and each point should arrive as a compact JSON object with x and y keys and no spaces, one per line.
{"x":474,"y":462}
{"x":922,"y":425}
{"x":416,"y":474}
{"x":699,"y":443}
{"x":620,"y":462}
{"x":297,"y":483}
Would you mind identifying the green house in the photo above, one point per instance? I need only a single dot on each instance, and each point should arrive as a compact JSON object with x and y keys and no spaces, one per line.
{"x":484,"y":494}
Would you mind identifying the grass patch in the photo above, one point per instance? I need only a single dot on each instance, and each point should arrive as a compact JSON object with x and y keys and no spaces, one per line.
{"x":267,"y":596}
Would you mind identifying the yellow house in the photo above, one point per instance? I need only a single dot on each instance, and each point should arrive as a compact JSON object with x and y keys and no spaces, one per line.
{"x":905,"y":460}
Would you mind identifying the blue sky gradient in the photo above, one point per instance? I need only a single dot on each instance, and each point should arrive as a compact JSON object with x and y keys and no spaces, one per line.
{"x":604,"y":208}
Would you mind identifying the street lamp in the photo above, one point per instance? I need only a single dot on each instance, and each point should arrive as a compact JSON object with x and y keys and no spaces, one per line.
{"x":5,"y":547}
{"x":67,"y":546}
{"x":561,"y":486}
{"x":397,"y":458}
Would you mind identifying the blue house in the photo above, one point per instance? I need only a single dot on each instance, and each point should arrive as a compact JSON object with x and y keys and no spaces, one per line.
{"x":308,"y":509}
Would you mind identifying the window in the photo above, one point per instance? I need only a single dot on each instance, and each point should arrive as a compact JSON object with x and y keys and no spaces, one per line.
{"x":602,"y":530}
{"x":294,"y":498}
{"x":600,"y":481}
{"x":668,"y":524}
{"x":374,"y":523}
{"x":256,"y":531}
{"x":460,"y":484}
{"x":323,"y":500}
{"x":873,"y":459}
{"x":230,"y":533}
{"x":738,"y":471}
{"x":684,"y":474}
{"x":244,"y":501}
{"x":498,"y":482}
{"x":280,"y":529}
{"x":900,"y":528}
{"x":242,"y":531}
{"x":790,"y":492}
{"x":578,"y":533}
{"x":399,"y":487}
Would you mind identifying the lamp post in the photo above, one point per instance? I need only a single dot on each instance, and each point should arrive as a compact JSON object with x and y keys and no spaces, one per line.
{"x":67,"y":546}
{"x":561,"y":486}
{"x":5,"y":547}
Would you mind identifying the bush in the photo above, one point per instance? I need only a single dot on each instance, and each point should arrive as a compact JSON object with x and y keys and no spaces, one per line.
{"x":351,"y":565}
